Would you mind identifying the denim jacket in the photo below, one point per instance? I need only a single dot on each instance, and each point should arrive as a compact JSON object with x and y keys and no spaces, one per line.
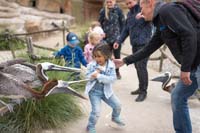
{"x":107,"y":77}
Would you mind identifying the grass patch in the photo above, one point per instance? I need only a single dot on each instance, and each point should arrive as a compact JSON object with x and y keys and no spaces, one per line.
{"x":34,"y":115}
{"x":10,"y":43}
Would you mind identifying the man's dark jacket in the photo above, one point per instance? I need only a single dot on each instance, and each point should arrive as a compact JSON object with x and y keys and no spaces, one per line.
{"x":138,"y":29}
{"x":179,"y":31}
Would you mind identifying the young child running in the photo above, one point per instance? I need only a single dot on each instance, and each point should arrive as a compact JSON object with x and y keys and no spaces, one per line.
{"x":94,"y":38}
{"x":101,"y":72}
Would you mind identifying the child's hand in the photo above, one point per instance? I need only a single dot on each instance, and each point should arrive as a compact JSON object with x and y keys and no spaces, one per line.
{"x":95,"y":74}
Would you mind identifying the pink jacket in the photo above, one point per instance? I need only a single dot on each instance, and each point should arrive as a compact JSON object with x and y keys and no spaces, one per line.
{"x":88,"y":52}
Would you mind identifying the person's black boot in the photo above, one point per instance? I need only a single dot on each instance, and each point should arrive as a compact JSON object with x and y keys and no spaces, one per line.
{"x":141,"y":97}
{"x":136,"y":92}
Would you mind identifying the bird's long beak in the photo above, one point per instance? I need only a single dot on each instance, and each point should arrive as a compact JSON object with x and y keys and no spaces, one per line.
{"x":162,"y":78}
{"x":158,"y":79}
{"x":78,"y":81}
{"x":62,"y":87}
{"x":62,"y":68}
{"x":69,"y":90}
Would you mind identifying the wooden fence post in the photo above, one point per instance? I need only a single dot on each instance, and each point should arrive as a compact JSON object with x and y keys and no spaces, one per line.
{"x":12,"y":50}
{"x":30,"y":49}
{"x":63,"y":23}
{"x":8,"y":40}
{"x":162,"y":57}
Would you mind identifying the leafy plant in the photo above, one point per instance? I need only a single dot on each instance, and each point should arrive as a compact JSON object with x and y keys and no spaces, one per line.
{"x":34,"y":115}
{"x":8,"y":42}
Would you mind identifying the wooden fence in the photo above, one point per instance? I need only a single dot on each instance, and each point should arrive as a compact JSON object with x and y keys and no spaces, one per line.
{"x":7,"y":36}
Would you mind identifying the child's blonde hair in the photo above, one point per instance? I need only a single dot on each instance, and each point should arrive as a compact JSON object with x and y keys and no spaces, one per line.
{"x":107,"y":9}
{"x":93,"y":36}
{"x":94,"y":24}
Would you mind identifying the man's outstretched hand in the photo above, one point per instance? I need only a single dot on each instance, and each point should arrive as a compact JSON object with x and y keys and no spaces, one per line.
{"x":118,"y":62}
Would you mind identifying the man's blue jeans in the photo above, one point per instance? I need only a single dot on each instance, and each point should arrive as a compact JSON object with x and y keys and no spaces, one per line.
{"x":96,"y":95}
{"x":179,"y":98}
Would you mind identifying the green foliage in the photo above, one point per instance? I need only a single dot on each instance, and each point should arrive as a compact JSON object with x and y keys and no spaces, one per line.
{"x":34,"y":115}
{"x":8,"y":43}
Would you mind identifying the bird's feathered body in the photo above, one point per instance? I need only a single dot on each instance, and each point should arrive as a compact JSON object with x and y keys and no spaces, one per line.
{"x":10,"y":85}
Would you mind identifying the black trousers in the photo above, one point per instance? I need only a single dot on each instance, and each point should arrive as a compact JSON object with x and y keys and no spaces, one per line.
{"x":142,"y":73}
{"x":116,"y":53}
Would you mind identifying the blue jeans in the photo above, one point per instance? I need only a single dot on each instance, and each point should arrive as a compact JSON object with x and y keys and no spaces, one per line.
{"x":179,"y":98}
{"x":96,"y":95}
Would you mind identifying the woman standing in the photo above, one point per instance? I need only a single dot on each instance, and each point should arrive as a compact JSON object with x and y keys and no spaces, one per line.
{"x":112,"y":21}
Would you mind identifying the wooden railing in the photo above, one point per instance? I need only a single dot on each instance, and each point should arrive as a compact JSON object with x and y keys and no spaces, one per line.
{"x":7,"y":36}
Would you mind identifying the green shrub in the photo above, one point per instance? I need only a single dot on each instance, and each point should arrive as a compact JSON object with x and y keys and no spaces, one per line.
{"x":8,"y":43}
{"x":34,"y":115}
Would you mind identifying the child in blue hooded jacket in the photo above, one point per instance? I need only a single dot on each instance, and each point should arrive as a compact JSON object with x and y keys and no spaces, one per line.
{"x":72,"y":53}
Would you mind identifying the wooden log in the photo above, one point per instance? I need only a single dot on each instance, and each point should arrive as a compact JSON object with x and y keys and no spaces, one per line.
{"x":45,"y":48}
{"x":43,"y":31}
{"x":162,"y":58}
{"x":63,"y":23}
{"x":30,"y":49}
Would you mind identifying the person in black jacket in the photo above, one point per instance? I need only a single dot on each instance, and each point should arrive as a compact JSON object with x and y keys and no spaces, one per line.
{"x":139,"y":31}
{"x":180,"y":31}
{"x":112,"y":21}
